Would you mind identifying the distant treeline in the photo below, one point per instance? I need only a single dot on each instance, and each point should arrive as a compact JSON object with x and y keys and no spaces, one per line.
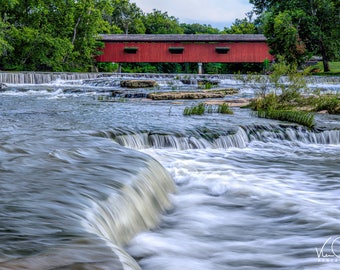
{"x":62,"y":35}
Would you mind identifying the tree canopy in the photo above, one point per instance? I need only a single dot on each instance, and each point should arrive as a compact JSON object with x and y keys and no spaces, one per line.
{"x":125,"y":17}
{"x":299,"y":29}
{"x":242,"y":26}
{"x":61,"y":35}
{"x":196,"y":28}
{"x":50,"y":35}
{"x":158,"y":22}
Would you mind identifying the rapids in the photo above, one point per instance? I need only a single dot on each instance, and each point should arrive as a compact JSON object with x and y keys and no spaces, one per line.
{"x":134,"y":184}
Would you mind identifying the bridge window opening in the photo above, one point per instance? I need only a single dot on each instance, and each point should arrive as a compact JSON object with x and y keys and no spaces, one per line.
{"x":222,"y":50}
{"x":131,"y":50}
{"x":176,"y":50}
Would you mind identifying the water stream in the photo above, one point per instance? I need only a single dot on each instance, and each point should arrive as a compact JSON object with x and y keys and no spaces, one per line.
{"x":134,"y":184}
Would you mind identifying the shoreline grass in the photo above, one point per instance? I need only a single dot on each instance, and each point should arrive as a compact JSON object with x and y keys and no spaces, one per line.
{"x":298,"y":117}
{"x":319,"y":71}
{"x":202,"y":108}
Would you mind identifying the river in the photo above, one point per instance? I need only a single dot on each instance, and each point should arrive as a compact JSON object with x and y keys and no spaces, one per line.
{"x":134,"y":184}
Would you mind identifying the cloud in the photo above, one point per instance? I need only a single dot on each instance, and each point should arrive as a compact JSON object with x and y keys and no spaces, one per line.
{"x":214,"y":12}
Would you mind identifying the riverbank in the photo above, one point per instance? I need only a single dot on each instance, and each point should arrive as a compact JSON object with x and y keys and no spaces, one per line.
{"x":334,"y":66}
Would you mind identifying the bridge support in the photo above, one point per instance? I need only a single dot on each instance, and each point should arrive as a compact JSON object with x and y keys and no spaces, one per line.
{"x":119,"y":69}
{"x":200,"y":68}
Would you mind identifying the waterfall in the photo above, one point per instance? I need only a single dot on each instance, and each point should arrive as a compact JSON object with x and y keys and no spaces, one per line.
{"x":221,"y":139}
{"x":238,"y":140}
{"x":130,"y":208}
{"x":48,"y":77}
{"x":106,"y":78}
{"x":294,"y":134}
{"x":323,"y":79}
{"x":136,"y":207}
{"x":42,"y":77}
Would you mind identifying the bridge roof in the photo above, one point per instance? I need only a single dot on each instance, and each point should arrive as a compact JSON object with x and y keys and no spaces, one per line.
{"x":182,"y":38}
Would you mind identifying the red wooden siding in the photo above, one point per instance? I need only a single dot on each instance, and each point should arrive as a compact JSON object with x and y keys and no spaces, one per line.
{"x":204,"y":52}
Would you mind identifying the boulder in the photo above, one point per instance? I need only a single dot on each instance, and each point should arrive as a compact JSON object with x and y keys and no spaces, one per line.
{"x":2,"y":86}
{"x":138,"y":83}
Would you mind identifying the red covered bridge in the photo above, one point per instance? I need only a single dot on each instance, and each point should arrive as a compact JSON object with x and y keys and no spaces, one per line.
{"x":185,"y":48}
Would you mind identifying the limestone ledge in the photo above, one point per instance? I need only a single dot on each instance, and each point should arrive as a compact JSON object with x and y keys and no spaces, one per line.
{"x":138,"y":83}
{"x":220,"y":93}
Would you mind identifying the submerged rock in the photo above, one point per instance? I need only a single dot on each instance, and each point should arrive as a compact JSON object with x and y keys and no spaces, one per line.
{"x":188,"y":81}
{"x":201,"y":82}
{"x":138,"y":83}
{"x":2,"y":86}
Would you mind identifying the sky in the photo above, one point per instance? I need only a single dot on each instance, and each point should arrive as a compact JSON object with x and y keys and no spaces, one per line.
{"x":217,"y":13}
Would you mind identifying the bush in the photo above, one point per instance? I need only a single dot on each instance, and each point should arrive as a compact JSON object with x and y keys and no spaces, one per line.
{"x":107,"y":67}
{"x":224,"y":108}
{"x":196,"y":110}
{"x":268,"y":102}
{"x":331,"y":103}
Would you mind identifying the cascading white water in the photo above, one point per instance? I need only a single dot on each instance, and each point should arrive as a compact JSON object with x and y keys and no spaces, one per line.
{"x":240,"y":139}
{"x":41,"y":77}
{"x":141,"y":202}
{"x":134,"y":208}
{"x":163,"y":79}
{"x":323,"y":80}
{"x":297,"y":134}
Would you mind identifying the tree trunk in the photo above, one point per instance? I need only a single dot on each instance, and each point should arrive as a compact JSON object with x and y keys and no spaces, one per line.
{"x":325,"y":65}
{"x":324,"y":57}
{"x":74,"y":36}
{"x":75,"y":30}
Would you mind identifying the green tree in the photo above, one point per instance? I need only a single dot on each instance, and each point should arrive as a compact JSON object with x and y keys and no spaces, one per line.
{"x":283,"y":37}
{"x":51,"y":35}
{"x":315,"y":22}
{"x":196,"y":28}
{"x":32,"y":53}
{"x":127,"y":17}
{"x":158,"y":22}
{"x":86,"y":24}
{"x":241,"y":26}
{"x":5,"y":47}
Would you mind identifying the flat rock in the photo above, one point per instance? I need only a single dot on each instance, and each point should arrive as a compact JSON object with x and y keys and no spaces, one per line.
{"x":192,"y":95}
{"x":138,"y":83}
{"x":240,"y":102}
